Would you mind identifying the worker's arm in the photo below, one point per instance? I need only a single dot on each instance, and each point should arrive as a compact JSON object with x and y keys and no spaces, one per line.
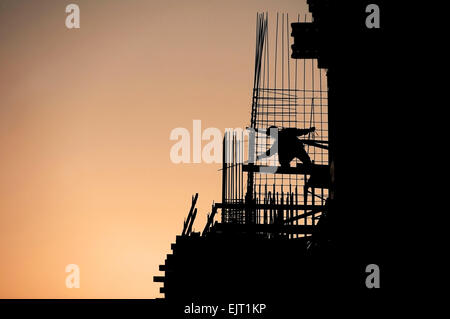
{"x":300,"y":132}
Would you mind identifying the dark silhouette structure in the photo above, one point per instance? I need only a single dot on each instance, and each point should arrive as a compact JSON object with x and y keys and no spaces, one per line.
{"x":297,"y":238}
{"x":287,"y":145}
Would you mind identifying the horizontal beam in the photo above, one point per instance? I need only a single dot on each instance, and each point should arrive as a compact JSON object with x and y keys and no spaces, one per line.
{"x":315,"y":144}
{"x":307,"y":214}
{"x":162,"y":267}
{"x":299,"y":169}
{"x":158,"y":278}
{"x":267,"y":206}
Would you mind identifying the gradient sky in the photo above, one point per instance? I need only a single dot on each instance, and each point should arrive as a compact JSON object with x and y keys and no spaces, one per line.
{"x":85,"y":119}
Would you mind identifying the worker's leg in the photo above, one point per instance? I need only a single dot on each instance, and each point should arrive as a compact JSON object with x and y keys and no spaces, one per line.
{"x":285,"y":158}
{"x":303,"y":156}
{"x":284,"y":162}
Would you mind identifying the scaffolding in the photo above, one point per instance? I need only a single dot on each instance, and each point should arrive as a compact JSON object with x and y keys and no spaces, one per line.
{"x":286,"y":94}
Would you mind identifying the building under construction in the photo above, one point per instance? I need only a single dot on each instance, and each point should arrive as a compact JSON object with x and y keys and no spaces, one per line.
{"x":286,"y":227}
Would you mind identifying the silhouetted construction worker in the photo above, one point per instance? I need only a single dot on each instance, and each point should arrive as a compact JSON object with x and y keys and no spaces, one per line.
{"x":287,"y":145}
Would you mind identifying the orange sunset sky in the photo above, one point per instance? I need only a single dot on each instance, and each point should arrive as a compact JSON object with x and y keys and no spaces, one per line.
{"x":85,"y":119}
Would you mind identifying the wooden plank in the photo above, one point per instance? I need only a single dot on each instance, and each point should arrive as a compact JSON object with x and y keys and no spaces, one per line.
{"x":188,"y":220}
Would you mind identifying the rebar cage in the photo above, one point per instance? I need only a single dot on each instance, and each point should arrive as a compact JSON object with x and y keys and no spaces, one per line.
{"x":288,"y":93}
